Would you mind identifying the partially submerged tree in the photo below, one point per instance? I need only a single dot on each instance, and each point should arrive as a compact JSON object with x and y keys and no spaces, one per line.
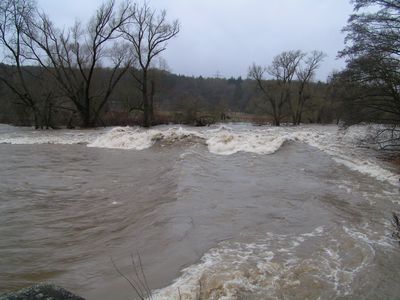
{"x":396,"y":227}
{"x":283,"y":69}
{"x":148,"y":33}
{"x":278,"y":92}
{"x":16,"y":16}
{"x":257,"y":73}
{"x":74,"y":57}
{"x":305,"y":74}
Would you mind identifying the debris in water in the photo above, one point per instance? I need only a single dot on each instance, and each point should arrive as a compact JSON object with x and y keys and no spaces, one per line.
{"x":396,"y":225}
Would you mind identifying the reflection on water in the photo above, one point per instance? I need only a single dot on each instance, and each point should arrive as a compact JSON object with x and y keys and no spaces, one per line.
{"x":293,"y":225}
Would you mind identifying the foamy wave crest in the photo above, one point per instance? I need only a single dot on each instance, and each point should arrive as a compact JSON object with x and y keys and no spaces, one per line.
{"x":275,"y":267}
{"x":225,"y":273}
{"x":222,"y":141}
{"x":341,"y":145}
{"x":138,"y":139}
{"x":221,"y":274}
{"x":125,"y":138}
{"x":369,"y":168}
{"x":227,"y":142}
{"x":58,"y":137}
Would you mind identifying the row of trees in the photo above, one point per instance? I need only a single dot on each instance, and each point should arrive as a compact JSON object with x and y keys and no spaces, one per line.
{"x":181,"y":99}
{"x":287,"y":91}
{"x":108,"y":62}
{"x":368,"y":89}
{"x":80,"y":67}
{"x":77,"y":72}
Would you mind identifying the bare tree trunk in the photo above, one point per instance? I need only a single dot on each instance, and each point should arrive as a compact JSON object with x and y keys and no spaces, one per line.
{"x":86,"y":114}
{"x":35,"y":118}
{"x":148,"y":34}
{"x":146,"y":106}
{"x":152,"y":92}
{"x":73,"y":58}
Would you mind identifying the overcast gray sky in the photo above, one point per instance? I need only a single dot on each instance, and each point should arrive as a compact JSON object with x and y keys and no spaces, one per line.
{"x":226,"y":36}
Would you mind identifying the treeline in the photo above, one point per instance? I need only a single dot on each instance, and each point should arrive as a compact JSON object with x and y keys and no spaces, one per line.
{"x":79,"y":68}
{"x":104,"y":72}
{"x":176,"y":98}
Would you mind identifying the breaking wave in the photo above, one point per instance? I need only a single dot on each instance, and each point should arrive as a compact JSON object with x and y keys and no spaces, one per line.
{"x":138,"y":139}
{"x":27,"y":136}
{"x":227,"y":143}
{"x":277,"y":266}
{"x":341,"y":145}
{"x":223,"y":140}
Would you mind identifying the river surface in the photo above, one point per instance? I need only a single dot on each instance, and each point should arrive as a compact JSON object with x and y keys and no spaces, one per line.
{"x":228,"y":212}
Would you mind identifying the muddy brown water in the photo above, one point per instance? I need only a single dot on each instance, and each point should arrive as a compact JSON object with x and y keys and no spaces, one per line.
{"x":291,"y":225}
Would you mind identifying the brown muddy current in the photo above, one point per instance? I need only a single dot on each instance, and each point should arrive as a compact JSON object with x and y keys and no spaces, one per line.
{"x":294,"y":224}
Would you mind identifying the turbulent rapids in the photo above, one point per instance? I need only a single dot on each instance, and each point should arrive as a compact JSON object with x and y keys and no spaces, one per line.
{"x":222,"y":140}
{"x":226,"y":212}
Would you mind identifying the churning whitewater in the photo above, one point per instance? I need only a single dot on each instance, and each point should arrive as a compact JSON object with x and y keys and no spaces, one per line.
{"x":339,"y":143}
{"x":232,"y":211}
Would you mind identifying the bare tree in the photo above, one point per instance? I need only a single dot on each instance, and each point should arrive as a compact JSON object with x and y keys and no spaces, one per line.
{"x":258,"y":74}
{"x":16,"y":16}
{"x":305,"y":73}
{"x":74,"y":57}
{"x":282,"y":70}
{"x":148,"y":33}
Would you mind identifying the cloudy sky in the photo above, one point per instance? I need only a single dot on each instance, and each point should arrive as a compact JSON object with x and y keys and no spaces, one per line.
{"x":225,"y":37}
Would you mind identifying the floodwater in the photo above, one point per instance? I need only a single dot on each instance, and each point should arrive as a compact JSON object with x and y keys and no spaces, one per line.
{"x":234,"y":212}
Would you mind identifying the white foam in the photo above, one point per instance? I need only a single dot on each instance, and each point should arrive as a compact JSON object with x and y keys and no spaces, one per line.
{"x":128,"y":138}
{"x":316,"y":232}
{"x":369,"y":168}
{"x":222,"y":140}
{"x":234,"y":270}
{"x":125,"y":138}
{"x":369,"y":237}
{"x":223,"y":272}
{"x":62,"y":137}
{"x":341,"y":145}
{"x":227,"y":143}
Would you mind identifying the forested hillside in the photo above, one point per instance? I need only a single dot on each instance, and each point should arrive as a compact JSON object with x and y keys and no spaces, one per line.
{"x":177,"y":98}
